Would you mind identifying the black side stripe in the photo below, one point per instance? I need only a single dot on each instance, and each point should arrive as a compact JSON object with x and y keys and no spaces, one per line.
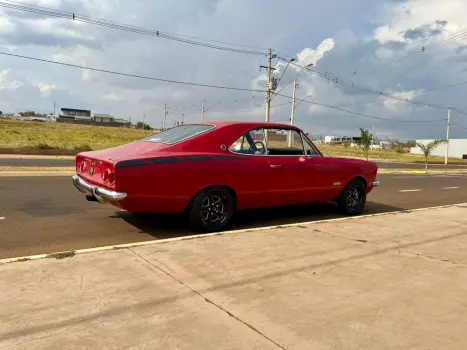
{"x":198,"y":158}
{"x":165,"y":160}
{"x":227,"y":157}
{"x":130,"y":163}
{"x":168,"y":160}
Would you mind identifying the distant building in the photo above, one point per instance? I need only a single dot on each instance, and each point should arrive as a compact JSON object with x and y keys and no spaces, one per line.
{"x":84,"y":116}
{"x":106,"y":118}
{"x":341,"y":139}
{"x":75,"y":114}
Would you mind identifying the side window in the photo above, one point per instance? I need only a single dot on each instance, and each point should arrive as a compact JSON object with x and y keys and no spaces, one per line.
{"x":309,"y":149}
{"x":253,"y":142}
{"x":284,"y":142}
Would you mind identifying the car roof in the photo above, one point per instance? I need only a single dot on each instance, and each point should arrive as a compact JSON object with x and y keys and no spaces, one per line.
{"x":247,"y":124}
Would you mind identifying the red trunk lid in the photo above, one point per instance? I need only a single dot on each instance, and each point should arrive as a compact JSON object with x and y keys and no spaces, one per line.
{"x":134,"y":150}
{"x":96,"y":162}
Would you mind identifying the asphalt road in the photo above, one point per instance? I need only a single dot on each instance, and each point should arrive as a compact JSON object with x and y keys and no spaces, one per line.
{"x":47,"y":214}
{"x":33,"y":162}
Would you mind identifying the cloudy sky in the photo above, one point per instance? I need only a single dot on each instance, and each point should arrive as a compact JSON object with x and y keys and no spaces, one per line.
{"x":354,"y":39}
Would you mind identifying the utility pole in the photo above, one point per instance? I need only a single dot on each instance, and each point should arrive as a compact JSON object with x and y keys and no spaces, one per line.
{"x":202,"y":111}
{"x":54,"y":108}
{"x":447,"y":136}
{"x":165,"y":116}
{"x":374,"y":136}
{"x":270,"y":87}
{"x":292,"y":115}
{"x":183,"y":114}
{"x":268,"y":107}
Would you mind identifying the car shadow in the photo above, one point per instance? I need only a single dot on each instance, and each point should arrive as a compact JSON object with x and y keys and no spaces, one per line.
{"x":169,"y":226}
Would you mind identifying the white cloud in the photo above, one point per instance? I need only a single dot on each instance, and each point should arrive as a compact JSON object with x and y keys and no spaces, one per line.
{"x":311,"y":56}
{"x":411,"y":15}
{"x":46,"y":89}
{"x":355,"y":40}
{"x":112,"y":97}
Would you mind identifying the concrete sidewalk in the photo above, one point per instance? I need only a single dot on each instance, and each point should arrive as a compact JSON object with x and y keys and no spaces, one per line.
{"x":395,"y":281}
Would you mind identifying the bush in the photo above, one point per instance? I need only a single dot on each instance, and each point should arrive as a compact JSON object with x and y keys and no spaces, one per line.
{"x":42,"y":145}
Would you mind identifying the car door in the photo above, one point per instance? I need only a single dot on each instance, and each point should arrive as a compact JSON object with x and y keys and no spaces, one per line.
{"x":250,"y":178}
{"x":318,"y":177}
{"x":287,"y":162}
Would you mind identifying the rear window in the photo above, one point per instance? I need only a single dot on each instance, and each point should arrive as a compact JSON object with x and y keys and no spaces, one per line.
{"x":178,"y":133}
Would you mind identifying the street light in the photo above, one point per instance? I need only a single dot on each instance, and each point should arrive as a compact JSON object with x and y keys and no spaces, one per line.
{"x":287,"y":66}
{"x":308,"y":65}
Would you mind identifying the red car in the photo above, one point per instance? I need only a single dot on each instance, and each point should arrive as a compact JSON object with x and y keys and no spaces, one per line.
{"x":210,"y":170}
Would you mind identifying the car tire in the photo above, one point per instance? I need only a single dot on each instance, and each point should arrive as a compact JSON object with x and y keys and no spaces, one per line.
{"x":212,"y":210}
{"x":352,"y":199}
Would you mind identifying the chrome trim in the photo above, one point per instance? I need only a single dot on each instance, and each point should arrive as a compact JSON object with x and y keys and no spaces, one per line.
{"x":375,"y":183}
{"x":103,"y":195}
{"x":305,"y":140}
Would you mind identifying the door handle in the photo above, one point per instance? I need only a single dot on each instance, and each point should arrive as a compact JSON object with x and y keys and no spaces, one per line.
{"x":275,"y":165}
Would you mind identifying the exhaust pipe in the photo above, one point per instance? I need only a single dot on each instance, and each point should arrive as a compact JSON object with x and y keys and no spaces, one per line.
{"x":91,"y":198}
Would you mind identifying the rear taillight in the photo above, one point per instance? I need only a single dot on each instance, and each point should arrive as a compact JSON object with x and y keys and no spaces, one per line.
{"x":108,"y":176}
{"x":105,"y":175}
{"x":111,"y":178}
{"x":80,"y":166}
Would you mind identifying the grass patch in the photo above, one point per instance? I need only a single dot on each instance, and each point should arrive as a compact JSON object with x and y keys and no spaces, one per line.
{"x":74,"y":137}
{"x":398,"y":154}
{"x":40,"y":135}
{"x":61,"y":255}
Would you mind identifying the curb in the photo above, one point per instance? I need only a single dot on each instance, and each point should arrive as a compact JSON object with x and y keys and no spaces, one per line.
{"x":207,"y":235}
{"x":33,"y":156}
{"x":421,"y":172}
{"x":33,"y":173}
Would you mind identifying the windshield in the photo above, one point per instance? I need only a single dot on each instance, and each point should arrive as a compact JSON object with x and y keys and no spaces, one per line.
{"x":178,"y":133}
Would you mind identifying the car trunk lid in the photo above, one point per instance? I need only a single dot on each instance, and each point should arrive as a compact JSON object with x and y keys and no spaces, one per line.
{"x":134,"y":150}
{"x":91,"y":165}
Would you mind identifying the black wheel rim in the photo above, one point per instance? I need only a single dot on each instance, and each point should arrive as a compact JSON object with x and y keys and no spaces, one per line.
{"x":213,"y":209}
{"x":354,"y":197}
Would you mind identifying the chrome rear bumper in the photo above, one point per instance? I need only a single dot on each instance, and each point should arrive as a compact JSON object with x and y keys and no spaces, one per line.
{"x":103,"y":195}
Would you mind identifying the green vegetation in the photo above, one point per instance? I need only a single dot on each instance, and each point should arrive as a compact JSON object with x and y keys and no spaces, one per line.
{"x":61,"y":255}
{"x":430,"y":147}
{"x":366,"y":141}
{"x":388,"y":154}
{"x":46,"y":135}
{"x":141,"y":125}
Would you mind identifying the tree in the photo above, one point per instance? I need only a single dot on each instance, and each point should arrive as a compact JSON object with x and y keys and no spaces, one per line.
{"x":366,"y":140}
{"x":411,"y":143}
{"x":430,"y":147}
{"x":141,"y":125}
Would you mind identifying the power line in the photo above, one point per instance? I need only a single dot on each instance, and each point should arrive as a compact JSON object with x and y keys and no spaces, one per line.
{"x":174,"y":34}
{"x":115,"y":25}
{"x":458,"y":125}
{"x":366,"y":115}
{"x":421,"y":92}
{"x":130,"y":75}
{"x":210,"y":86}
{"x":443,"y":42}
{"x":330,"y":77}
